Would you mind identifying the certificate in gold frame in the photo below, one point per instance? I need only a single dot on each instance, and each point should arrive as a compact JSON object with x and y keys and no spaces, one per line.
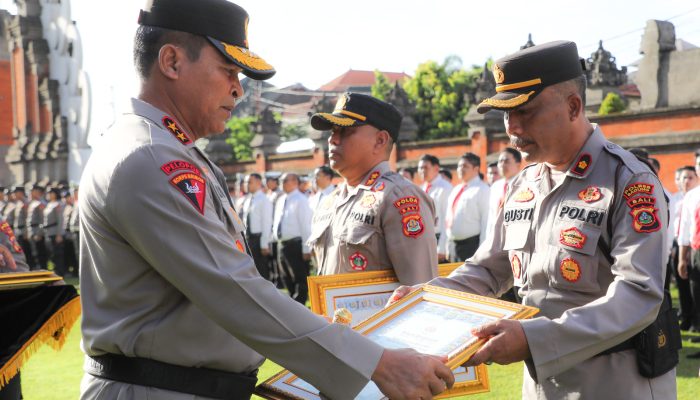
{"x":23,"y":280}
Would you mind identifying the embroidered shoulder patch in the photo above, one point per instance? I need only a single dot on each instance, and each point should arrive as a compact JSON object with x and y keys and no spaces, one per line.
{"x":179,"y":165}
{"x":644,"y":218}
{"x":524,"y":196}
{"x":582,"y":164}
{"x":358,"y":261}
{"x":590,"y":194}
{"x":634,"y":189}
{"x":570,"y":270}
{"x":412,"y":225}
{"x":7,"y":230}
{"x":572,"y":237}
{"x":408,"y":204}
{"x":173,"y":127}
{"x":372,"y":178}
{"x":194,"y":187}
{"x":239,"y":246}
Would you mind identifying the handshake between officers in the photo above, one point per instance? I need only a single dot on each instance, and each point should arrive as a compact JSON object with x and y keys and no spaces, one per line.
{"x":173,"y":306}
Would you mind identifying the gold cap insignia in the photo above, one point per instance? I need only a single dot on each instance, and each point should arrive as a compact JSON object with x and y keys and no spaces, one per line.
{"x":245,"y":41}
{"x":340,"y":105}
{"x":498,"y":74}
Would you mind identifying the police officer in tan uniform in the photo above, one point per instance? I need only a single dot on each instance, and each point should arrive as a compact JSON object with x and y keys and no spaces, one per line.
{"x":173,"y":306}
{"x":34,"y":226}
{"x":582,"y":232}
{"x":375,"y":220}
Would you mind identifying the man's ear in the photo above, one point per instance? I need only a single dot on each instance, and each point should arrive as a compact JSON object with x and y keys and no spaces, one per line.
{"x":575,"y":106}
{"x":169,"y":61}
{"x":383,"y":138}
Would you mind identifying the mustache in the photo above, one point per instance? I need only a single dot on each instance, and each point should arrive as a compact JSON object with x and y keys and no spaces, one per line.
{"x":519,"y":142}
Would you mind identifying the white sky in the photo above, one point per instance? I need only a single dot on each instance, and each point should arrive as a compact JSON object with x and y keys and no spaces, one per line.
{"x":314,"y":41}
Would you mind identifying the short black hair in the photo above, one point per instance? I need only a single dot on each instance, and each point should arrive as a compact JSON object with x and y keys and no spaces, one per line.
{"x":686,"y":168}
{"x":515,"y":153}
{"x":446,"y":172}
{"x":149,"y":39}
{"x":256,"y":176}
{"x":492,"y":164}
{"x":472,"y":159}
{"x":431,"y":159}
{"x":640,"y":152}
{"x":326,"y":170}
{"x":409,"y":170}
{"x":655,"y":163}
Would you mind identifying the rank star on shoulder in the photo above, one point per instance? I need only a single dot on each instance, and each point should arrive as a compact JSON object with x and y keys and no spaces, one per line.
{"x":172,"y":126}
{"x":181,"y":136}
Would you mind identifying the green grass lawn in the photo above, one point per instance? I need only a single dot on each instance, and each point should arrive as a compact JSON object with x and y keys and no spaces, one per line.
{"x":53,"y":375}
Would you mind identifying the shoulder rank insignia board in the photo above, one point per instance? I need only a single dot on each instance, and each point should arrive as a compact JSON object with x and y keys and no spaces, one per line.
{"x":582,"y":164}
{"x":173,"y":127}
{"x":372,"y":178}
{"x":194,"y":187}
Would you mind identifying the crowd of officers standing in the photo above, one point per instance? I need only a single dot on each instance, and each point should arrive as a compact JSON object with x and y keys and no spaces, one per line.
{"x":45,"y":221}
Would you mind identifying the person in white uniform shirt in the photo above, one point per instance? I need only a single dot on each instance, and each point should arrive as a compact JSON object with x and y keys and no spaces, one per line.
{"x":257,"y":214}
{"x":438,"y":189}
{"x":492,"y":173}
{"x":689,"y":245}
{"x":291,"y":230}
{"x":467,"y":210}
{"x":686,"y":180}
{"x":323,"y":180}
{"x":509,"y":162}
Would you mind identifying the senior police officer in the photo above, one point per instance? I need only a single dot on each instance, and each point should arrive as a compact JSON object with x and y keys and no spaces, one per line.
{"x":173,"y":306}
{"x":582,"y":231}
{"x":376,"y":219}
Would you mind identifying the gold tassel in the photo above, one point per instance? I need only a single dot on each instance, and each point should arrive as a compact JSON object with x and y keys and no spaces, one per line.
{"x":54,"y":333}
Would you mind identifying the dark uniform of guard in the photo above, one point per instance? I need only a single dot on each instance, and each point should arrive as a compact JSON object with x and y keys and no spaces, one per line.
{"x":35,"y":227}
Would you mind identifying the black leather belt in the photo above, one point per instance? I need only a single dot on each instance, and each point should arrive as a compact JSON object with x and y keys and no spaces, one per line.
{"x":467,"y":240}
{"x":626,"y":345}
{"x":195,"y":381}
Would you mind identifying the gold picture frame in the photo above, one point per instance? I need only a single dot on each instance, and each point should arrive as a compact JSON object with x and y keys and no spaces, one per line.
{"x":24,"y":280}
{"x":324,"y":292}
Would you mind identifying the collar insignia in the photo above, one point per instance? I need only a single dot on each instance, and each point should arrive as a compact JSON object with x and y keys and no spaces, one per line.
{"x":173,"y":127}
{"x":582,"y":164}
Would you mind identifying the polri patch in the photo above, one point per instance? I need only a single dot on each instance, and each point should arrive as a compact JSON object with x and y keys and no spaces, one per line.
{"x":572,"y":237}
{"x":179,"y":165}
{"x":193,"y":186}
{"x":582,"y":164}
{"x":637,"y":188}
{"x":358,"y":261}
{"x":644,"y":218}
{"x":413,"y":225}
{"x":590,"y":194}
{"x":174,"y":128}
{"x":570,"y":270}
{"x":516,"y":266}
{"x":524,"y":196}
{"x":372,"y":178}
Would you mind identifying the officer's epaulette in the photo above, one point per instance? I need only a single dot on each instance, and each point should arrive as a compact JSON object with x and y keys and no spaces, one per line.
{"x":635,"y":164}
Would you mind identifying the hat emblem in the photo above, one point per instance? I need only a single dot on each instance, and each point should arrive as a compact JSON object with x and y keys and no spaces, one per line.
{"x":340,"y":105}
{"x":498,"y":74}
{"x":245,"y":41}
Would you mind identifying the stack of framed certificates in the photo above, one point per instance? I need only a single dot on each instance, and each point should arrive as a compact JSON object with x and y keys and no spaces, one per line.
{"x":431,"y":320}
{"x":23,"y":280}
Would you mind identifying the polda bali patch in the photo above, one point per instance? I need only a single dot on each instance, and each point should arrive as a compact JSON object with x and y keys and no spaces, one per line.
{"x":193,"y":187}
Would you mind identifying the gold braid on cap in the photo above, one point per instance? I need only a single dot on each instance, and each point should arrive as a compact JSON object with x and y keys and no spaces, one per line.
{"x":337,"y":120}
{"x":247,"y":57}
{"x":510,"y":103}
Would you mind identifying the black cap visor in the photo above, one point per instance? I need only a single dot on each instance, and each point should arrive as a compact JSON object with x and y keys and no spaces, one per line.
{"x":326,"y":121}
{"x":253,"y":66}
{"x":508,"y":100}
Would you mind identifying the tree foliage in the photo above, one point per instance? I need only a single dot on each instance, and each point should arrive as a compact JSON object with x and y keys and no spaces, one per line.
{"x":381,"y":87}
{"x":439,"y":92}
{"x":240,"y":134}
{"x":611,"y":104}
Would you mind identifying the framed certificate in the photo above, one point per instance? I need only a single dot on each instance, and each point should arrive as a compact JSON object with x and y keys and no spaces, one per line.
{"x":23,"y":280}
{"x":431,"y":320}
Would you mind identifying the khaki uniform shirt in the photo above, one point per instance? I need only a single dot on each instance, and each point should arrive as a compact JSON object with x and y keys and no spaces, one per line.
{"x":164,"y":273}
{"x":384,"y":223}
{"x":35,"y":218}
{"x":547,"y":242}
{"x":8,"y":239}
{"x":53,"y":219}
